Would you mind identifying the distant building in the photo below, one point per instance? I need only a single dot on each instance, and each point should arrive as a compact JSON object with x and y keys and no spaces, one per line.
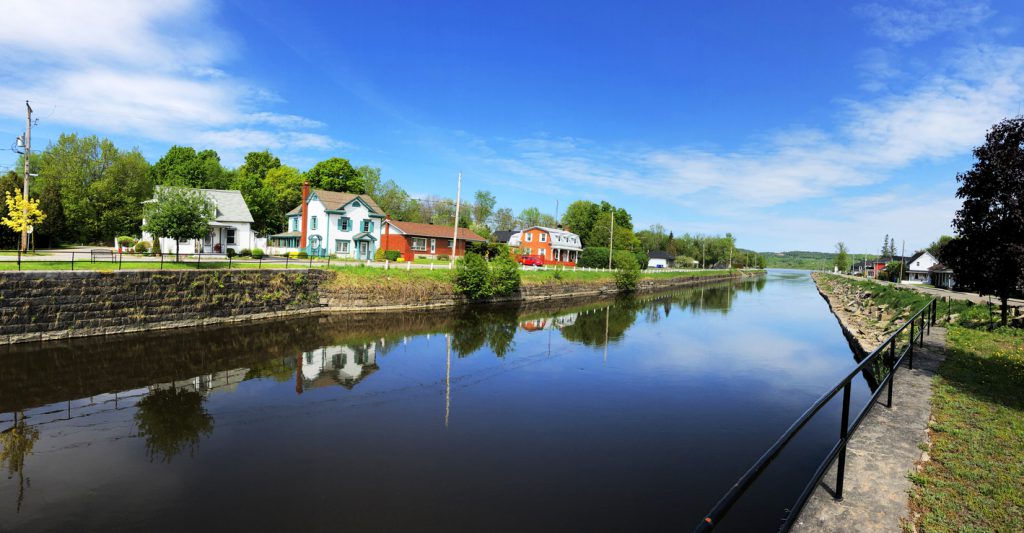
{"x":919,"y":267}
{"x":553,"y":246}
{"x":660,"y":259}
{"x":503,"y":236}
{"x":940,"y":275}
{"x":332,"y":223}
{"x":231,"y":227}
{"x":414,"y":239}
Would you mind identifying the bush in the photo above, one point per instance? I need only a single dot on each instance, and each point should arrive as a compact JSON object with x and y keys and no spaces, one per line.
{"x":472,"y":277}
{"x":245,"y":252}
{"x":126,"y":241}
{"x":301,"y":255}
{"x":627,"y":277}
{"x":444,"y":257}
{"x":257,"y":253}
{"x":392,"y":255}
{"x":505,"y":278}
{"x":141,"y":247}
{"x":231,"y":252}
{"x":155,"y":249}
{"x":593,"y":257}
{"x":378,"y":255}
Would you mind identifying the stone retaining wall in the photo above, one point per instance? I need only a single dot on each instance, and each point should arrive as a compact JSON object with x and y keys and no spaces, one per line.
{"x":49,"y":305}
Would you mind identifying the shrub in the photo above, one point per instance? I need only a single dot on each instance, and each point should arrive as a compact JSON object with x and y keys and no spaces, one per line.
{"x":301,"y":255}
{"x":472,"y":277}
{"x":627,"y":276}
{"x":155,"y":250}
{"x":393,"y":255}
{"x":594,"y":257}
{"x":505,"y":278}
{"x":257,"y":253}
{"x":378,"y":255}
{"x":245,"y":252}
{"x":444,"y":257}
{"x":231,"y":252}
{"x":126,"y":241}
{"x":141,"y":247}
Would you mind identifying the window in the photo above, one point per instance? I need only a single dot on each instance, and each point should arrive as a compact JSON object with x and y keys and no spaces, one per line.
{"x":345,"y":224}
{"x":231,"y":235}
{"x":529,"y":251}
{"x":451,"y":243}
{"x":341,"y":246}
{"x":543,"y":252}
{"x":208,"y":240}
{"x":419,"y":244}
{"x":355,"y":203}
{"x":312,"y":222}
{"x":543,"y":237}
{"x":367,"y":226}
{"x":529,"y":237}
{"x":295,"y":224}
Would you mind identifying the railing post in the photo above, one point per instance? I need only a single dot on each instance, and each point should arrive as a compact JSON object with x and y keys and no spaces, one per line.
{"x":120,"y":257}
{"x":922,"y":332}
{"x":259,"y":266}
{"x":310,"y":262}
{"x":892,"y":369}
{"x":19,"y":258}
{"x":286,"y":259}
{"x":844,"y":433}
{"x":72,"y":261}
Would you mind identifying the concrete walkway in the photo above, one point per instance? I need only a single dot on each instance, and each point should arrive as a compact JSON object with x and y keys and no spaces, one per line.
{"x":880,"y":454}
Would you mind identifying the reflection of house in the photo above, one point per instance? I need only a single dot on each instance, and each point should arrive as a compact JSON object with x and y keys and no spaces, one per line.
{"x":230,"y":227}
{"x":558,"y":322}
{"x":918,"y":267}
{"x":328,"y":222}
{"x":554,"y":246}
{"x":338,"y":365}
{"x":220,"y":381}
{"x":414,"y":239}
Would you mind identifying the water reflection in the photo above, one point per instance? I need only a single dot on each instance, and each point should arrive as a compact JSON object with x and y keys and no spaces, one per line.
{"x":167,"y":381}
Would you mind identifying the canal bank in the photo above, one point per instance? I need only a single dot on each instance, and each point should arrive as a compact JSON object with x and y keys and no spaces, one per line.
{"x":884,"y":453}
{"x":44,"y":306}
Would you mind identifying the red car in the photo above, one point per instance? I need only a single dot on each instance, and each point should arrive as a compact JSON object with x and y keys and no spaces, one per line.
{"x":531,"y":260}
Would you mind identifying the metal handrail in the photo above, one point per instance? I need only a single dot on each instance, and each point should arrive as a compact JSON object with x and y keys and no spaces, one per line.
{"x":927,"y":316}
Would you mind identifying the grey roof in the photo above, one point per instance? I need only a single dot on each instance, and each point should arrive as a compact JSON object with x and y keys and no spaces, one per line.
{"x":503,"y":236}
{"x":659,"y":254}
{"x":230,"y":205}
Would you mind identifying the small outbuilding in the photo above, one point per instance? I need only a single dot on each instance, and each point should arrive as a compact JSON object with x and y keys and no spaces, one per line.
{"x":660,"y":259}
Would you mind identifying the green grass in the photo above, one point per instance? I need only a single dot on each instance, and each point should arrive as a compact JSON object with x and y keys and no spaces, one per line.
{"x":975,"y":480}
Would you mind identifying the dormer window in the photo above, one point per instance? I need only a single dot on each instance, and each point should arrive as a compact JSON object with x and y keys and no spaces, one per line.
{"x":355,"y":203}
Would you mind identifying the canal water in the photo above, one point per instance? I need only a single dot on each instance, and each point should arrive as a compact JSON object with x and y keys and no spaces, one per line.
{"x":619,"y":414}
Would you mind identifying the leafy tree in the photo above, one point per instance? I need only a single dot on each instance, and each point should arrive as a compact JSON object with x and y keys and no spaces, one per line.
{"x":180,"y":214}
{"x":21,"y":212}
{"x":472,"y":277}
{"x":336,"y":174}
{"x":842,"y":257}
{"x":258,"y":164}
{"x":251,"y":181}
{"x":394,"y":200}
{"x":937,"y":248}
{"x":371,"y":180}
{"x":988,"y":253}
{"x":627,"y":275}
{"x":503,"y":220}
{"x":442,"y":211}
{"x":483,"y":206}
{"x":891,"y":272}
{"x":529,"y":217}
{"x":624,"y":239}
{"x":580,"y":216}
{"x":622,"y":217}
{"x":9,"y":183}
{"x":284,"y":184}
{"x":182,"y":166}
{"x":505,"y":278}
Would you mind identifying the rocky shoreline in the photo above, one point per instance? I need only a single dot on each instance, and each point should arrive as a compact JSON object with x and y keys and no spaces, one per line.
{"x":865,"y":323}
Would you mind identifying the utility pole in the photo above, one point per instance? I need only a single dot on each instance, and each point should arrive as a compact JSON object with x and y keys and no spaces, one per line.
{"x":28,"y":153}
{"x":455,"y":234}
{"x":611,"y":238}
{"x":703,"y":264}
{"x":558,"y":224}
{"x":903,"y":253}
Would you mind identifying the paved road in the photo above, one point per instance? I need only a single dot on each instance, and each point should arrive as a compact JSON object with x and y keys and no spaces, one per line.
{"x":944,"y":293}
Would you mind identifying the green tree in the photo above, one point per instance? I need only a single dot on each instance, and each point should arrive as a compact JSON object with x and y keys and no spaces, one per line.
{"x":251,"y":181}
{"x":988,"y":253}
{"x":394,"y":201}
{"x":371,"y":180}
{"x":529,"y":217}
{"x":937,"y":248}
{"x":180,"y":214}
{"x":842,"y":257}
{"x":9,"y":182}
{"x":504,"y":220}
{"x":336,"y":174}
{"x":284,"y":184}
{"x":172,"y":420}
{"x":580,"y":216}
{"x":483,"y":206}
{"x":472,"y":277}
{"x":624,"y":239}
{"x":182,"y":166}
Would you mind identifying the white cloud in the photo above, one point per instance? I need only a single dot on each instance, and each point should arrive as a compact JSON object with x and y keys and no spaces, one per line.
{"x":918,"y":20}
{"x":145,"y":69}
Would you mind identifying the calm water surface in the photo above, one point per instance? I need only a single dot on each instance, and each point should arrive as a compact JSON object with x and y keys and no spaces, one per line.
{"x":628,"y":414}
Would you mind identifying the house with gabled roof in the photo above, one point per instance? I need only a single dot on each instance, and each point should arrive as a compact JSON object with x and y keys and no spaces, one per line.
{"x":553,"y":246}
{"x":231,"y":227}
{"x":415,"y":239}
{"x":919,"y":267}
{"x":332,"y":223}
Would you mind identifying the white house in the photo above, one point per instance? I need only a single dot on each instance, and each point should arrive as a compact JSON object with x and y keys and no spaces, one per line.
{"x":918,"y":268}
{"x":327,"y":222}
{"x":231,"y":227}
{"x":660,"y":259}
{"x":338,"y":365}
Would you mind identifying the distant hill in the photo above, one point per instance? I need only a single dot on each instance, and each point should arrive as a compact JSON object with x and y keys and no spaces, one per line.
{"x":802,"y":260}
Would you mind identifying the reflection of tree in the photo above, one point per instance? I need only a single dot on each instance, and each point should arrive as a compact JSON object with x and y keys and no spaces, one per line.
{"x":16,"y":444}
{"x":495,"y":327}
{"x":591,"y":327}
{"x":171,"y":420}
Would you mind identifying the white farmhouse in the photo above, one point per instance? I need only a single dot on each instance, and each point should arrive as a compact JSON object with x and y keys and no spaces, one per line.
{"x":331,"y":223}
{"x":918,"y":268}
{"x":231,"y":227}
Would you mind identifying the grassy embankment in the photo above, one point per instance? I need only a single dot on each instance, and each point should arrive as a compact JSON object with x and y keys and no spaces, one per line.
{"x":973,"y":481}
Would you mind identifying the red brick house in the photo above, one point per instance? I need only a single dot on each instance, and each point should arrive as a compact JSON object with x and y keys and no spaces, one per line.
{"x":414,"y":239}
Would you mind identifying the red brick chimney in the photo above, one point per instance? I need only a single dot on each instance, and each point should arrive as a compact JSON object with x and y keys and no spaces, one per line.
{"x":305,"y":214}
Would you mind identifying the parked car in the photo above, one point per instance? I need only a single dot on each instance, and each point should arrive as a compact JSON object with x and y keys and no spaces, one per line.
{"x":531,"y":260}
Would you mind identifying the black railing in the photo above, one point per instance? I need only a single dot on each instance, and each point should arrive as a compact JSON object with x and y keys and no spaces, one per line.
{"x":147,"y":262}
{"x":885,"y":352}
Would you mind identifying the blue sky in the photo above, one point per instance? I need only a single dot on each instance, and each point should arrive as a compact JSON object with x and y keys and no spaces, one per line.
{"x":793,"y":125}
